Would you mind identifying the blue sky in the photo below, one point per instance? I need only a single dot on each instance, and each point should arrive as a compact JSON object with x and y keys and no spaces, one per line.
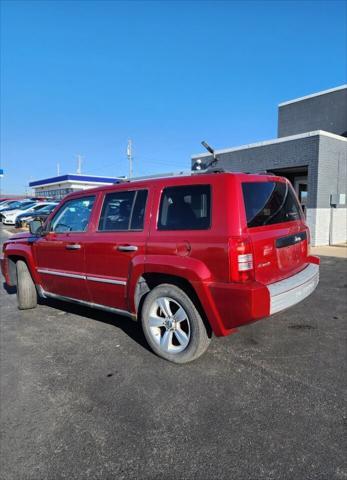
{"x":84,"y":76}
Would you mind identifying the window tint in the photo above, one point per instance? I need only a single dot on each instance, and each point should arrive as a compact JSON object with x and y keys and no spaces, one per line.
{"x":185,"y":208}
{"x":123,"y":211}
{"x":37,"y":207}
{"x":73,"y":216}
{"x":24,"y":205}
{"x":46,"y":209}
{"x":138,"y":215}
{"x":269,"y":202}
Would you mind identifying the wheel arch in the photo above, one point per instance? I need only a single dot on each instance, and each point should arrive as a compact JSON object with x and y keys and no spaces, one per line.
{"x":12,"y":259}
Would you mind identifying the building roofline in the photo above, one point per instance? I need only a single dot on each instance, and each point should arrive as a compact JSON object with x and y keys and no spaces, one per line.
{"x":323,"y":92}
{"x":74,"y":177}
{"x":273,"y":141}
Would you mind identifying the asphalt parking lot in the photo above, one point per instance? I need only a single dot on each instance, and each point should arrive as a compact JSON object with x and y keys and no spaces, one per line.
{"x":82,"y":397}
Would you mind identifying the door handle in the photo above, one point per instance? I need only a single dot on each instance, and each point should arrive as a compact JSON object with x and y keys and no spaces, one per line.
{"x":73,"y":246}
{"x":127,"y":248}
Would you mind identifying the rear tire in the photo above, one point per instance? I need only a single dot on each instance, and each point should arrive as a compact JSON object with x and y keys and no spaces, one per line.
{"x":172,"y":325}
{"x":26,"y":291}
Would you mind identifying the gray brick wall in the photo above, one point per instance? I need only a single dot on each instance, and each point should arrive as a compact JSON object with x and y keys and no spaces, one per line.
{"x":332,"y":170}
{"x":323,"y":112}
{"x":293,"y":153}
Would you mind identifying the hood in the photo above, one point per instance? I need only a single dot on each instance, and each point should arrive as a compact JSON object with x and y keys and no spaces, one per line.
{"x":19,"y":236}
{"x":12,"y":212}
{"x":7,"y":209}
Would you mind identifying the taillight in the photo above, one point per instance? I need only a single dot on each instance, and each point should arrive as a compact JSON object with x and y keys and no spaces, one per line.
{"x":308,"y":236}
{"x":241,"y":259}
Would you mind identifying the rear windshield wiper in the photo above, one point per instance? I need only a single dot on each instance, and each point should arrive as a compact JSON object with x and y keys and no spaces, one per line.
{"x":280,"y":207}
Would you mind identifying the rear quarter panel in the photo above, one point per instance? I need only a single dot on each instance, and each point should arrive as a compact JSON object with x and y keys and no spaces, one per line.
{"x":196,"y":254}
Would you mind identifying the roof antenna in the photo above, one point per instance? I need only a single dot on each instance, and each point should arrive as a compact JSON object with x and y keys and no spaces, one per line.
{"x":211,"y":150}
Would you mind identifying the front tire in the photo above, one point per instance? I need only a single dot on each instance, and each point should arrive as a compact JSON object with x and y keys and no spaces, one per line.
{"x":172,"y":325}
{"x":26,"y":291}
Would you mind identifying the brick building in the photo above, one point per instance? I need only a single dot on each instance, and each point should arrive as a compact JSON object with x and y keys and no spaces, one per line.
{"x":311,"y":151}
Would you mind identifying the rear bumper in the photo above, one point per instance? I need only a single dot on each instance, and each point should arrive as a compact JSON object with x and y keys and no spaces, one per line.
{"x":235,"y":305}
{"x":292,"y":290}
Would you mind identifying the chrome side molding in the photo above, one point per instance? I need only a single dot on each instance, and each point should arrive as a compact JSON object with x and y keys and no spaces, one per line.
{"x":81,"y":276}
{"x":61,"y":274}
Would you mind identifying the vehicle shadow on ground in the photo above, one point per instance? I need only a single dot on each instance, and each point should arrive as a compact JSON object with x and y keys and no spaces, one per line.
{"x":130,"y":327}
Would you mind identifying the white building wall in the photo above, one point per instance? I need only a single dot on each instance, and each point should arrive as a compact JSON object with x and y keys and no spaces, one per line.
{"x":327,"y":225}
{"x":339,"y":225}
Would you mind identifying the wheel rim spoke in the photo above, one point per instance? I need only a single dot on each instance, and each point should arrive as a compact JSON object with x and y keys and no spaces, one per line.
{"x":181,"y":336}
{"x":164,"y":306}
{"x":155,"y":321}
{"x":166,"y":341}
{"x":180,"y":315}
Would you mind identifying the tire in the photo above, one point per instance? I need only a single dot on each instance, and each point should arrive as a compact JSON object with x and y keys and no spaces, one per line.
{"x":26,"y":291}
{"x":172,"y":325}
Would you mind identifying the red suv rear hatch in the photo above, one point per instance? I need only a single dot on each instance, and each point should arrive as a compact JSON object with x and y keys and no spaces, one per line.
{"x":276,"y":227}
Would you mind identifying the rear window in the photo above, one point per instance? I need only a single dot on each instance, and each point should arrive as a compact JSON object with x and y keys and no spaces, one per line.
{"x":185,"y":208}
{"x":267,"y":203}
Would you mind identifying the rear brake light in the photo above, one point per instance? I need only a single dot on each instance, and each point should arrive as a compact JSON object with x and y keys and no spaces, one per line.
{"x":308,"y":236}
{"x":241,"y":260}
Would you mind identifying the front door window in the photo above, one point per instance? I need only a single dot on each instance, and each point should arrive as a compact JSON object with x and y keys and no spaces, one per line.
{"x":73,"y":216}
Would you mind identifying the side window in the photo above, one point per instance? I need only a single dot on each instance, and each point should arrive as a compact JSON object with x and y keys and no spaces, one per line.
{"x":73,"y":216}
{"x":185,"y":208}
{"x":123,"y":210}
{"x":138,"y":215}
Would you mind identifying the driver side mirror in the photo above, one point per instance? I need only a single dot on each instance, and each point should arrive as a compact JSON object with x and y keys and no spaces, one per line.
{"x":35,"y":227}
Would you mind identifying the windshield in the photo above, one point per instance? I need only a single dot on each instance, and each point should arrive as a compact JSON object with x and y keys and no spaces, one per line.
{"x":12,"y":204}
{"x":46,"y":209}
{"x":25,"y":205}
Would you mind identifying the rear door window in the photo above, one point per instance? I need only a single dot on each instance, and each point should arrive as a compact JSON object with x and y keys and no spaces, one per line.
{"x":185,"y":208}
{"x":124,"y":210}
{"x":268,"y":203}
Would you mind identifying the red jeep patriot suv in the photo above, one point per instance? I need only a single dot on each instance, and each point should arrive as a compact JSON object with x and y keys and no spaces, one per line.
{"x":187,"y":255}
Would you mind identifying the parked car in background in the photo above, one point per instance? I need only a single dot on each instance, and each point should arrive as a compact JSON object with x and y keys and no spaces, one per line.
{"x":9,"y":216}
{"x":186,"y":255}
{"x":8,"y":204}
{"x":39,"y":212}
{"x":40,"y":199}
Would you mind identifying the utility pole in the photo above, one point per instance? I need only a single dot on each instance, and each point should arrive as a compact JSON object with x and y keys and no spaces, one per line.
{"x":130,"y":158}
{"x":58,"y":169}
{"x":1,"y":175}
{"x":79,"y":164}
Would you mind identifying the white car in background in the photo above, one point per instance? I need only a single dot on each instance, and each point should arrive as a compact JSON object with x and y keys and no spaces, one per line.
{"x":9,"y":217}
{"x":10,"y":204}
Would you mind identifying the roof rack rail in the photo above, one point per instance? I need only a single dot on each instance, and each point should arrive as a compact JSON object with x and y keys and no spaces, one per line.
{"x":158,"y":175}
{"x":265,"y":172}
{"x":173,"y":174}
